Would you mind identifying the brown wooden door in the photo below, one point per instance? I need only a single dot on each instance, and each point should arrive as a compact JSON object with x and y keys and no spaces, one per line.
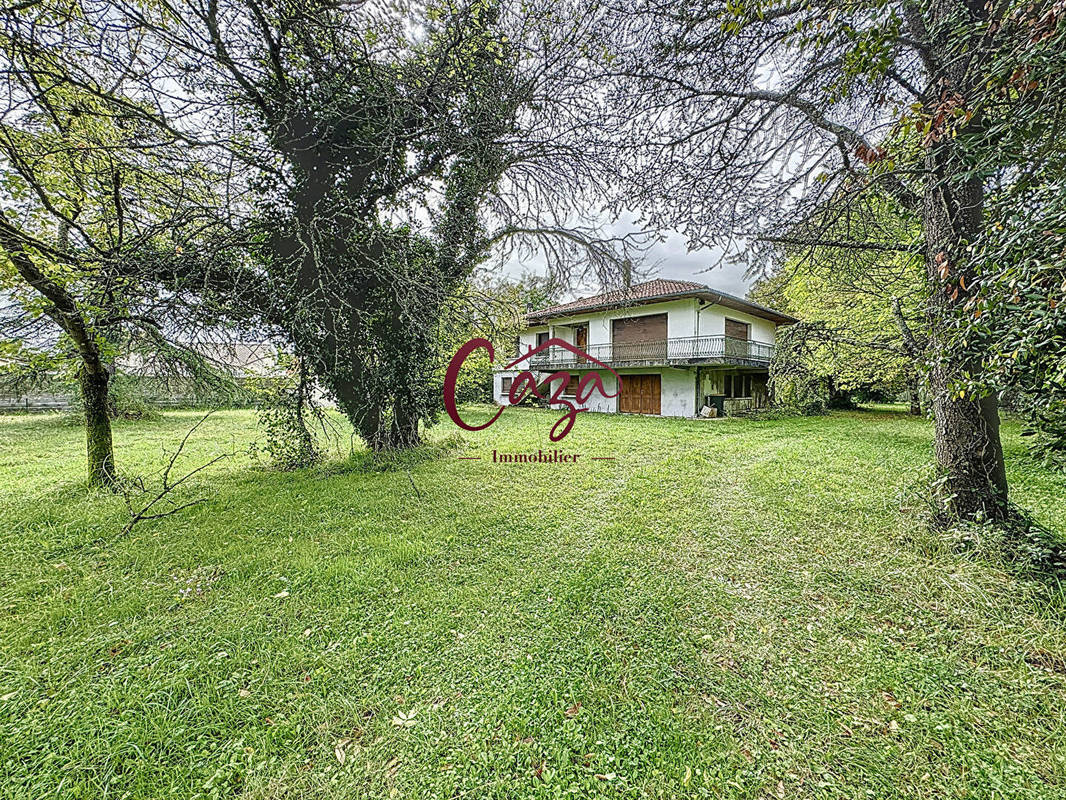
{"x":641,"y":394}
{"x":639,"y":338}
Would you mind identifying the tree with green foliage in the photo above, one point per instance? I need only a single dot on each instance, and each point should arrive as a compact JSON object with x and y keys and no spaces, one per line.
{"x":382,"y":153}
{"x":793,"y":125}
{"x":861,"y":328}
{"x":1015,"y":315}
{"x":89,"y":189}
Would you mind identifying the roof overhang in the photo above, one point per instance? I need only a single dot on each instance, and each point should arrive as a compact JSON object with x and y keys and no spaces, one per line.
{"x":717,"y":298}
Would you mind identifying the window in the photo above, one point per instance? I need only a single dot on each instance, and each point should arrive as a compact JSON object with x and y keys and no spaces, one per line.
{"x":737,"y":386}
{"x":542,"y":337}
{"x":506,"y":386}
{"x":571,"y":386}
{"x":737,"y":330}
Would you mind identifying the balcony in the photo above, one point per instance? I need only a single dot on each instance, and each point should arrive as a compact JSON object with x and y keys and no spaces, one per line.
{"x":691,"y":350}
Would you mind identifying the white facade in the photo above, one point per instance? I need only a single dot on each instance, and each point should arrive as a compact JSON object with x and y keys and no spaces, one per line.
{"x":685,"y":383}
{"x":678,"y":390}
{"x":685,"y":318}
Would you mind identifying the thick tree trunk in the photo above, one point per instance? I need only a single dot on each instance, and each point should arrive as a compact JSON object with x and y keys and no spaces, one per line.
{"x":101,"y":455}
{"x":405,"y":425}
{"x":968,"y":451}
{"x":967,"y":444}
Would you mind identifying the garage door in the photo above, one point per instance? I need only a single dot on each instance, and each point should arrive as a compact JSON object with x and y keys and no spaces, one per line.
{"x":641,"y":394}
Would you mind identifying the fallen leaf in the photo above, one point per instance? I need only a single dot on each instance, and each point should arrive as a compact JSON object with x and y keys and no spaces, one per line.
{"x":281,"y":595}
{"x":244,"y":693}
{"x":405,"y":719}
{"x":572,"y":711}
{"x":339,"y":750}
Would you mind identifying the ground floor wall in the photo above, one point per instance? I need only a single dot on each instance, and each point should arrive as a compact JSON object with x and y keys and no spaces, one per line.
{"x":718,"y":388}
{"x":684,"y":390}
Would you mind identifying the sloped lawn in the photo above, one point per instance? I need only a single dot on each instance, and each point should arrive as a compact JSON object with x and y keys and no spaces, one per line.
{"x":729,"y":608}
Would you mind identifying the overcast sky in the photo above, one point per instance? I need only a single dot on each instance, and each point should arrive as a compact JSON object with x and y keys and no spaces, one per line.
{"x":667,"y":259}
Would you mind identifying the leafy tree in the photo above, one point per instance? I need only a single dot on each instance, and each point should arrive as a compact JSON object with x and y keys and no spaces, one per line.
{"x":793,"y":125}
{"x":1015,"y":319}
{"x":363,"y":297}
{"x":383,"y":153}
{"x":861,"y":328}
{"x":89,"y":188}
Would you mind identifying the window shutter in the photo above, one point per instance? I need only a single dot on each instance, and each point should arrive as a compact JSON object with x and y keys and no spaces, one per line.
{"x":737,"y":330}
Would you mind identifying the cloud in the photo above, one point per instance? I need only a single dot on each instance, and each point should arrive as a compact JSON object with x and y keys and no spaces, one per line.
{"x":669,"y":258}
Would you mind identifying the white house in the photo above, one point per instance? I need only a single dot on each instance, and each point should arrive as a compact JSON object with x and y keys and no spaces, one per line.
{"x":677,"y":345}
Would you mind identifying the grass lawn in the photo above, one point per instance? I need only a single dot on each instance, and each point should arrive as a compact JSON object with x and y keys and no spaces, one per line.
{"x":731,"y":608}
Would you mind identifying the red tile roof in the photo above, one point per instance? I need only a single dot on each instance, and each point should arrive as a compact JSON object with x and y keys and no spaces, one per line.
{"x":621,"y":297}
{"x":657,"y":289}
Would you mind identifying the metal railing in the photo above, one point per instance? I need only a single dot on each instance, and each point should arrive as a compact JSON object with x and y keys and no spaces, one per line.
{"x":689,"y":349}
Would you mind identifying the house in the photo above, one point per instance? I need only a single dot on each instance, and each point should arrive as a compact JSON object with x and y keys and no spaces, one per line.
{"x":677,"y":345}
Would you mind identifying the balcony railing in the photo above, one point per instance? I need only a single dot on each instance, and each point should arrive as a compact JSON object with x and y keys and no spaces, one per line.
{"x":684,"y":350}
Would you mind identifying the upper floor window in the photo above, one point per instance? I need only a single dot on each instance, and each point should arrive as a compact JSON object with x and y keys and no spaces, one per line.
{"x":634,"y":330}
{"x":737,"y":330}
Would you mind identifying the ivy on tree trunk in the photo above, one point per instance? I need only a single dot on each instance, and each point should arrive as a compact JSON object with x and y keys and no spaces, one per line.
{"x":99,"y":449}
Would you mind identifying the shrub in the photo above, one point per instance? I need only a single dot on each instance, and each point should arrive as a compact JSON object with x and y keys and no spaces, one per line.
{"x":1045,"y":429}
{"x":286,"y":409}
{"x":288,"y":442}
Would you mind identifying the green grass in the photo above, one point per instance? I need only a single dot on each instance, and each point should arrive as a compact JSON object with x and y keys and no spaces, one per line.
{"x":731,"y":608}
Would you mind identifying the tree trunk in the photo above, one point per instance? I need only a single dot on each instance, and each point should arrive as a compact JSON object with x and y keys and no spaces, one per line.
{"x":94,"y":388}
{"x":967,"y":444}
{"x":915,"y":397}
{"x":404,"y":424}
{"x":968,"y":449}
